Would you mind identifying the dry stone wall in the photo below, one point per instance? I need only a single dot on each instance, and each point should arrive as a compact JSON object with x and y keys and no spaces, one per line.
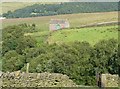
{"x":17,"y":79}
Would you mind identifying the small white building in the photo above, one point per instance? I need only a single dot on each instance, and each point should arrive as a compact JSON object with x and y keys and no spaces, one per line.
{"x":56,"y":24}
{"x":2,"y":18}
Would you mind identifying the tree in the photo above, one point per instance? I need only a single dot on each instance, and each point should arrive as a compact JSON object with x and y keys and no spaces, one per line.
{"x":12,"y":61}
{"x":105,"y":52}
{"x":14,"y":39}
{"x":25,"y":42}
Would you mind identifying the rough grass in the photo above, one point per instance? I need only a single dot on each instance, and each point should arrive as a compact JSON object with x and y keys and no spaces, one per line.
{"x":75,"y":20}
{"x":11,"y":6}
{"x":91,"y":35}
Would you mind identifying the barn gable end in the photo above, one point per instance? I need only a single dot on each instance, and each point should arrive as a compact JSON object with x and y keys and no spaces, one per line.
{"x":56,"y":24}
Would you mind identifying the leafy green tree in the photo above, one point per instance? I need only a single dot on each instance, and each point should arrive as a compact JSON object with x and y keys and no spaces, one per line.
{"x":31,"y":53}
{"x":14,"y":39}
{"x":105,"y":52}
{"x":11,"y":36}
{"x":25,"y":42}
{"x":12,"y":61}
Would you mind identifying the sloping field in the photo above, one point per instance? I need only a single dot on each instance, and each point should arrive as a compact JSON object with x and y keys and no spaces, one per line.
{"x":76,"y":20}
{"x":91,"y":35}
{"x":11,"y":6}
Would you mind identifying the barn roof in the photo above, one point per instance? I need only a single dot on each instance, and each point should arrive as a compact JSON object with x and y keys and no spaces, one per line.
{"x":58,"y":21}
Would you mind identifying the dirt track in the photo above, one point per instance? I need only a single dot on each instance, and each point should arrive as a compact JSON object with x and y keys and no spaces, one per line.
{"x":99,"y":24}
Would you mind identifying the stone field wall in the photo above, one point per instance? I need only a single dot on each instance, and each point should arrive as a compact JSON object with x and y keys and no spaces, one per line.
{"x":17,"y":79}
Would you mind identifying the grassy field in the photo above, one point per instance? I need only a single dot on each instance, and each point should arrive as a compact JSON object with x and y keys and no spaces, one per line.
{"x":91,"y":35}
{"x":11,"y":6}
{"x":6,"y":6}
{"x":75,"y":20}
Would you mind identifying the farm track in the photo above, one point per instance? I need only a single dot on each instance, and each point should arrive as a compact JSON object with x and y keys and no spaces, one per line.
{"x":100,"y":24}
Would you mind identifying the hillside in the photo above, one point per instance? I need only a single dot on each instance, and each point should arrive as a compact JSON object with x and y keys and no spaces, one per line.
{"x":62,"y":8}
{"x":76,"y":20}
{"x":12,"y":6}
{"x":82,"y":52}
{"x":78,"y":60}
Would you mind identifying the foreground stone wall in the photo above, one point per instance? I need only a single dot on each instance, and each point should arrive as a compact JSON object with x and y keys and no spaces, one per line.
{"x":17,"y":79}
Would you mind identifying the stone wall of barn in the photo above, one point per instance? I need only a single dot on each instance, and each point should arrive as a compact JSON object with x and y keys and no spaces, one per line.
{"x":54,"y":26}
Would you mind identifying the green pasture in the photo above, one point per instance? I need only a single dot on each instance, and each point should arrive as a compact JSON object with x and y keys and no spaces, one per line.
{"x":91,"y":35}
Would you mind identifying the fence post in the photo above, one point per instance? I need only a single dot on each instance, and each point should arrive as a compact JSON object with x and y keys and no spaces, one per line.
{"x":27,"y":68}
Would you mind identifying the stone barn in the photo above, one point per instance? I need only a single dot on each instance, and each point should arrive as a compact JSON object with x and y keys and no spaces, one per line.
{"x":56,"y":24}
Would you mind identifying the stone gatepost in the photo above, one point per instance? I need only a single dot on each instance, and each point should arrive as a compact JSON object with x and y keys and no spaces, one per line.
{"x":109,"y":80}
